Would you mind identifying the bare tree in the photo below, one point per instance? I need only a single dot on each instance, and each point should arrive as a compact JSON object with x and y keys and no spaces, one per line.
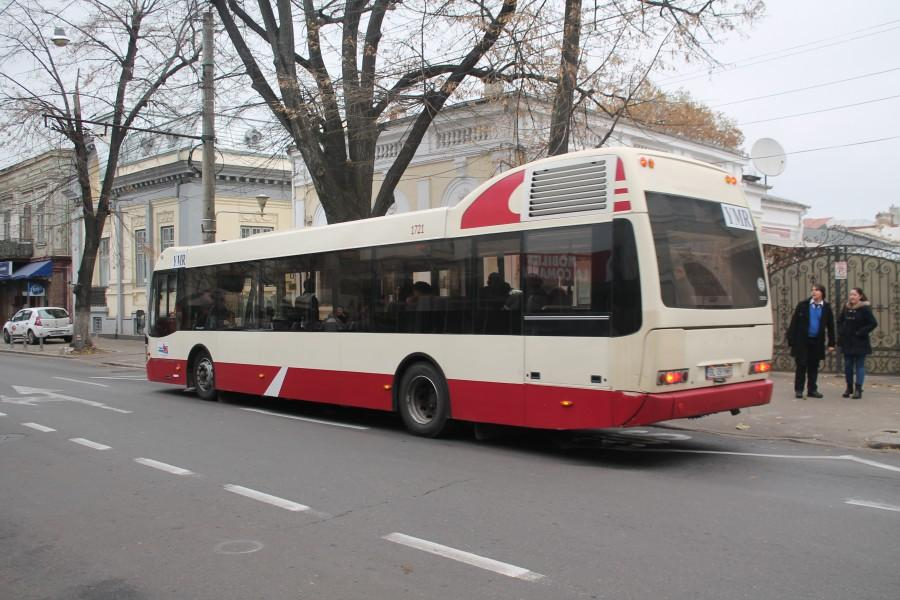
{"x":361,"y":61}
{"x":123,"y":56}
{"x":608,"y":53}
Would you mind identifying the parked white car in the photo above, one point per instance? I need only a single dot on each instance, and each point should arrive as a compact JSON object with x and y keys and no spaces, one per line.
{"x":41,"y":322}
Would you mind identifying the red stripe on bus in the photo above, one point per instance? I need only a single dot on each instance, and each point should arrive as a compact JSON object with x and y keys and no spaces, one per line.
{"x":491,"y":207}
{"x":621,"y":190}
{"x":621,"y":205}
{"x":520,"y":404}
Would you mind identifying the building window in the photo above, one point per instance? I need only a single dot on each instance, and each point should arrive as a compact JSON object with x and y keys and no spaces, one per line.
{"x":103,"y":259}
{"x":7,"y":224}
{"x":25,"y":224}
{"x":140,"y":261}
{"x":248,"y":230}
{"x":39,"y":232}
{"x":166,"y":237}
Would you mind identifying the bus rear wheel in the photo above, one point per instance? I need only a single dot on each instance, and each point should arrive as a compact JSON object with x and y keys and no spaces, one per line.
{"x":204,"y":375}
{"x":424,"y":401}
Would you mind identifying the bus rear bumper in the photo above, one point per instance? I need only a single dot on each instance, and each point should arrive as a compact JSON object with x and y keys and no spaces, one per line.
{"x":699,"y":402}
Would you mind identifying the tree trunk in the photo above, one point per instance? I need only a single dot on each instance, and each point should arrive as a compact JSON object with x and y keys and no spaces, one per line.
{"x":82,"y":322}
{"x":568,"y":73}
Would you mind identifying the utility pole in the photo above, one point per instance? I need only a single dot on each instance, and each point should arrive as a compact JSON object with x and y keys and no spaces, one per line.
{"x":208,"y":222}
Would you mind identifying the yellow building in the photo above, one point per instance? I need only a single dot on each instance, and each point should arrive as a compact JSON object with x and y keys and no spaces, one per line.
{"x":157,"y":203}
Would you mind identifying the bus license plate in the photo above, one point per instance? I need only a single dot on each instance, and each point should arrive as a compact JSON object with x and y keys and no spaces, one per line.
{"x":719,"y":372}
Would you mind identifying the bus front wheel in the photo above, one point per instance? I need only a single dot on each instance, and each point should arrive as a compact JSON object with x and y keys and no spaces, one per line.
{"x":205,"y":376}
{"x":424,"y":401}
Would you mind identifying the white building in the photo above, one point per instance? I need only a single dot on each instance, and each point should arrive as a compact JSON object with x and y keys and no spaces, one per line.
{"x":473,"y":141}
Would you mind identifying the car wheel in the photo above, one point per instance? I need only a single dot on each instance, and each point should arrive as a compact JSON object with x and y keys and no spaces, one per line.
{"x":31,"y":337}
{"x":205,"y":376}
{"x":6,"y":337}
{"x":424,"y":401}
{"x":67,"y":339}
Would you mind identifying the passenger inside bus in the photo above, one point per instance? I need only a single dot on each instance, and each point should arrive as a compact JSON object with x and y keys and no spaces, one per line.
{"x":535,"y":296}
{"x":307,"y":307}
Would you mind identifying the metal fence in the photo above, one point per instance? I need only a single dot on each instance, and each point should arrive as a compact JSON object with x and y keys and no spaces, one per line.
{"x":792,"y":271}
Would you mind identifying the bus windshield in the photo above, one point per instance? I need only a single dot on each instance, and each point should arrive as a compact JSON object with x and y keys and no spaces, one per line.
{"x":708,"y":253}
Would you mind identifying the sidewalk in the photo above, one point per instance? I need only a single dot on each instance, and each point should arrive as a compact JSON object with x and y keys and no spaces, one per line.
{"x":872,"y":422}
{"x":108,"y":351}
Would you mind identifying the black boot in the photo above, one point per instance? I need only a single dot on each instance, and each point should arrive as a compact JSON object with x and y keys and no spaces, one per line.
{"x":857,"y":393}
{"x":847,"y":391}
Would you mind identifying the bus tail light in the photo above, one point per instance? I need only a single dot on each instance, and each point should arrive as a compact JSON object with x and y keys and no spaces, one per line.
{"x":672,"y":377}
{"x":760,"y":366}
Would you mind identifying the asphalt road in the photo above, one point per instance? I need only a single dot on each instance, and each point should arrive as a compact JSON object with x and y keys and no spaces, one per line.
{"x":115,"y":488}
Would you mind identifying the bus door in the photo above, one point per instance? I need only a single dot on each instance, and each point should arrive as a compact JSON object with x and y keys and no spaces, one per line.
{"x":566,"y":298}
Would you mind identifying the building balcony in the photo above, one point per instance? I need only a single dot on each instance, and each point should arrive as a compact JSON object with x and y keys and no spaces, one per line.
{"x":16,"y":249}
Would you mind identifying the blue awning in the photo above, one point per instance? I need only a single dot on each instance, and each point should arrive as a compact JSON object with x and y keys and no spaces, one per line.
{"x":42,"y":268}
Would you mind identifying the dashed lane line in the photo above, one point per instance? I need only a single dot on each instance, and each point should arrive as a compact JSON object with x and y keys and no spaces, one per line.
{"x":2,"y":414}
{"x":149,"y":462}
{"x":868,"y":504}
{"x":307,"y":419}
{"x":475,"y":560}
{"x":81,"y":381}
{"x":90,"y":444}
{"x":38,"y":427}
{"x":267,"y":498}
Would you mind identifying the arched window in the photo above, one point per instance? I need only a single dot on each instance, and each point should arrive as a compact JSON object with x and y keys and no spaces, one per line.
{"x":319,"y":217}
{"x":457,"y":190}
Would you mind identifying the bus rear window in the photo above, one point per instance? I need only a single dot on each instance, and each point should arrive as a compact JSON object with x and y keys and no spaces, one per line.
{"x":708,"y":258}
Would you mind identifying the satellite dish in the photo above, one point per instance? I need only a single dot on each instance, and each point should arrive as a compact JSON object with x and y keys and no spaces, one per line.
{"x":768,"y":157}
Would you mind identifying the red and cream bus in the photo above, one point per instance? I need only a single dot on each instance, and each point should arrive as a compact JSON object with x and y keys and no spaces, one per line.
{"x":604,"y":288}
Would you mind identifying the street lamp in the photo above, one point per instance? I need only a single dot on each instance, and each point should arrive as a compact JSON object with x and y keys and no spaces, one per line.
{"x":261,"y":199}
{"x":59,"y":37}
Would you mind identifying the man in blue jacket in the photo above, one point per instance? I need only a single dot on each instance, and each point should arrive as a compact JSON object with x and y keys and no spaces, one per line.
{"x":812,"y":321}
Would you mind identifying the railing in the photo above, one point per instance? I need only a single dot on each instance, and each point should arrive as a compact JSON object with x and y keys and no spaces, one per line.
{"x":13,"y":249}
{"x":463,"y":135}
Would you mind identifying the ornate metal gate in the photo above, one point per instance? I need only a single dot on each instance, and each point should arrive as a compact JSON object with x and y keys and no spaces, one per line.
{"x":792,"y":271}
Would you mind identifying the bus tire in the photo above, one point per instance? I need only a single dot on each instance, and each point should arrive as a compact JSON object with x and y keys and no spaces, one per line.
{"x":204,"y":376}
{"x":424,"y":401}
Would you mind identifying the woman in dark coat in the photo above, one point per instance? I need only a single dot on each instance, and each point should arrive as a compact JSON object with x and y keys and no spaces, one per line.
{"x":855,"y":323}
{"x":812,"y":321}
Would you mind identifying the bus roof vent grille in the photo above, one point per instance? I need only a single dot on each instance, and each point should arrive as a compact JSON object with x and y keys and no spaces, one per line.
{"x":568,"y":189}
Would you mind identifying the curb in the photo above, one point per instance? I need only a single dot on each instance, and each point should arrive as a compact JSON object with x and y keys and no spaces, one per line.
{"x":886,"y":440}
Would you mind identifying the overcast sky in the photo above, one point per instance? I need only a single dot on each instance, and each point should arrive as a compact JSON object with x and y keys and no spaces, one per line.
{"x":851,"y":52}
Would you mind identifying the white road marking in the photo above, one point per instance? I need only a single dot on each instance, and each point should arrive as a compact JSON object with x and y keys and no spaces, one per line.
{"x":275,"y":387}
{"x":38,"y":427}
{"x":868,"y":504}
{"x":124,"y":378}
{"x":37,"y":395}
{"x":149,"y":462}
{"x":80,"y":381}
{"x":2,"y":414}
{"x":267,"y":498}
{"x":90,"y":444}
{"x":275,"y":414}
{"x":468,"y":558}
{"x":848,"y":457}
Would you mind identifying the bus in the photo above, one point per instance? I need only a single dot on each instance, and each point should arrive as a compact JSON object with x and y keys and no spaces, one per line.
{"x":604,"y":288}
